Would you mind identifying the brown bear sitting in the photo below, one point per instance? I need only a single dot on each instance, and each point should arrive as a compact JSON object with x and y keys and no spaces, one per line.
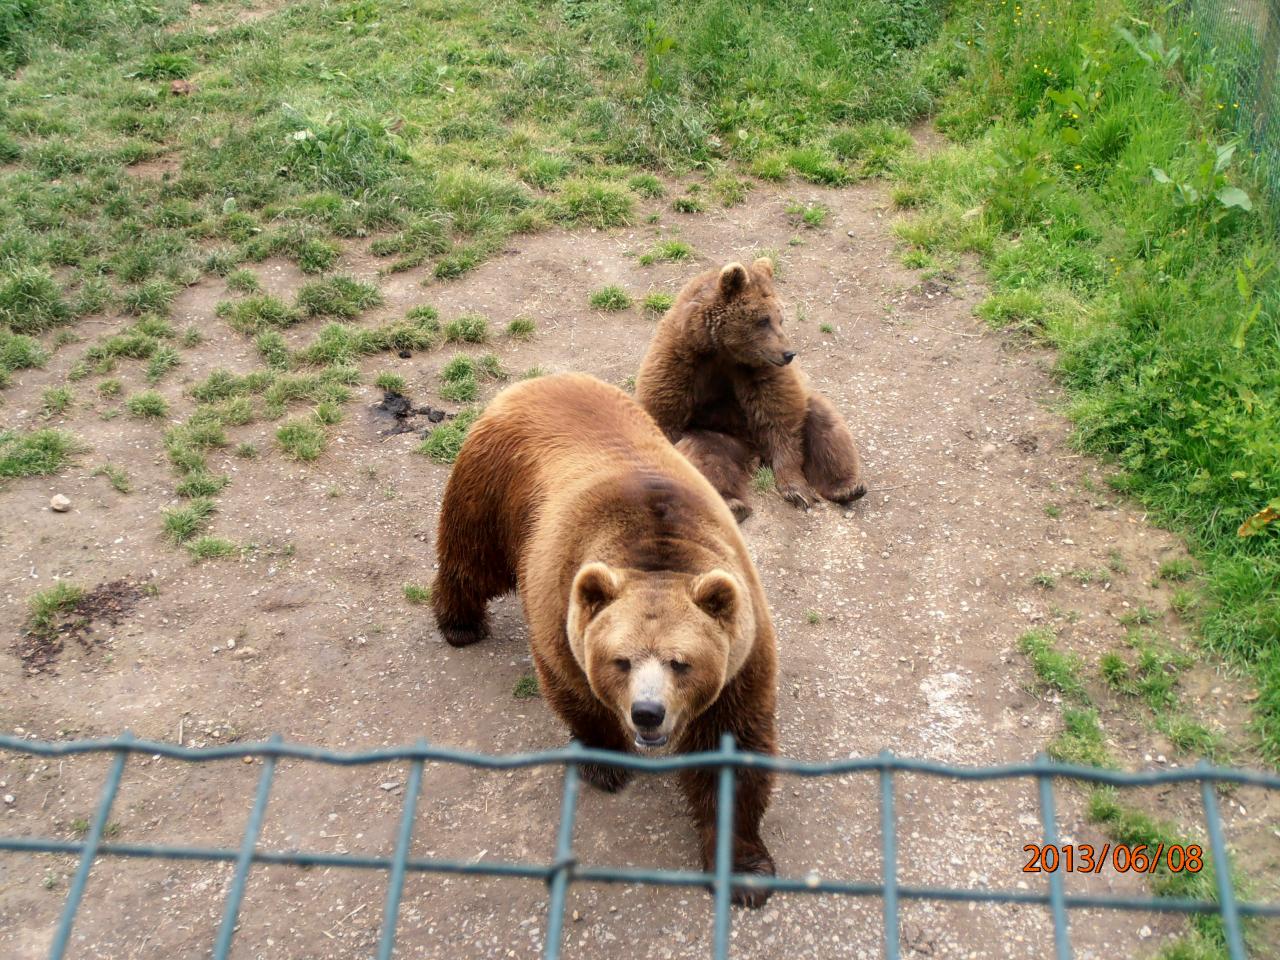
{"x":719,"y":380}
{"x":647,"y":621}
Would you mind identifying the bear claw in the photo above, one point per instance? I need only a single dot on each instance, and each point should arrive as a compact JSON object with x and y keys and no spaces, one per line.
{"x":848,"y":493}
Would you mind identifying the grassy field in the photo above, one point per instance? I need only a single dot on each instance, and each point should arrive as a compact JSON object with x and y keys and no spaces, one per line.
{"x":1102,"y":188}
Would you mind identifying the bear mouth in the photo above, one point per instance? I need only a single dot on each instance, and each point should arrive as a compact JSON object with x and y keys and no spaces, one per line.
{"x":651,"y":741}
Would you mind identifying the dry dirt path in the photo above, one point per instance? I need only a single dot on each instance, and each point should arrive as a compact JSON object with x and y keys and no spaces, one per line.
{"x":920,"y":592}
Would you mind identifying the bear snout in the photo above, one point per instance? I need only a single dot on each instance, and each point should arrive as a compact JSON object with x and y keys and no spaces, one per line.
{"x":648,"y":714}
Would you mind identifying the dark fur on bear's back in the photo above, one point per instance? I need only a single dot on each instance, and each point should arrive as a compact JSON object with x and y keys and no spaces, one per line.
{"x":718,"y":379}
{"x":564,"y":474}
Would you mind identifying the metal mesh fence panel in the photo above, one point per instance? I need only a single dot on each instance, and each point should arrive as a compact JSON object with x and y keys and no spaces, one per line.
{"x":564,"y":869}
{"x":1240,"y":40}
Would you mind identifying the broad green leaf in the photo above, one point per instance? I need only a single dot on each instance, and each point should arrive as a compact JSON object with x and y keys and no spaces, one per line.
{"x":1234,"y":197}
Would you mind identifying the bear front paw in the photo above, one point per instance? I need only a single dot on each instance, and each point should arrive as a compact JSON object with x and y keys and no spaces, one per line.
{"x":604,"y":777}
{"x":457,"y":636}
{"x":738,"y":508}
{"x":848,"y":492}
{"x":799,"y":494}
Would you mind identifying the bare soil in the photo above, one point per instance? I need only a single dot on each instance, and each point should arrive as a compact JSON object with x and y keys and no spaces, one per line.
{"x":919,"y":593}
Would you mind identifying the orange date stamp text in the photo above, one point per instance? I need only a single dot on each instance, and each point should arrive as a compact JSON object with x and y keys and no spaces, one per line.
{"x":1120,"y":857}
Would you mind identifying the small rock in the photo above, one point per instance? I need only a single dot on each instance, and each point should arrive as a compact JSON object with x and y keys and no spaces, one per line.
{"x":59,"y":503}
{"x":389,"y":785}
{"x":9,"y":799}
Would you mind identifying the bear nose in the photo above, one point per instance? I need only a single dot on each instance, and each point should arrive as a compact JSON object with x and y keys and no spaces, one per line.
{"x":647,"y":713}
{"x":788,"y":356}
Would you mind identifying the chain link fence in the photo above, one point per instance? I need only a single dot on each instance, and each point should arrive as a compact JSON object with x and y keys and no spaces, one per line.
{"x":1241,"y":39}
{"x":564,"y":868}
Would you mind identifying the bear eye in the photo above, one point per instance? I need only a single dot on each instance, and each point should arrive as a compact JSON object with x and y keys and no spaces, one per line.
{"x":623,"y":664}
{"x":679,"y":667}
{"x":764,"y":321}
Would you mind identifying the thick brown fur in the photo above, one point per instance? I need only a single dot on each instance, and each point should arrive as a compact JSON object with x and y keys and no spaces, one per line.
{"x":719,"y":380}
{"x":628,"y":565}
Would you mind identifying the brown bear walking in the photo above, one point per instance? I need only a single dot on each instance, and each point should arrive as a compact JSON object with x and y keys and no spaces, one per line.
{"x":647,"y":621}
{"x":719,"y":381}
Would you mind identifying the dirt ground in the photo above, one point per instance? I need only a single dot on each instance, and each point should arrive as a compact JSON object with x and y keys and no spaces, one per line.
{"x":920,"y":592}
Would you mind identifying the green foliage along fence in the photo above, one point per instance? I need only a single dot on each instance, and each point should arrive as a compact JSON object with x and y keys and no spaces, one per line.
{"x":1240,"y":40}
{"x":565,"y":869}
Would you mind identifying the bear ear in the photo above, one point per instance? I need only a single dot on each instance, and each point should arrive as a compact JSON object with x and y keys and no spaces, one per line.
{"x":765,"y":266}
{"x":594,"y":588}
{"x":716,"y":594}
{"x":733,"y":279}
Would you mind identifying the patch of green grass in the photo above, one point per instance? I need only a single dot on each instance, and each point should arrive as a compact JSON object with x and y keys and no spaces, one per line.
{"x":300,"y":440}
{"x":1083,"y":186}
{"x":688,"y":204}
{"x":522,"y":328}
{"x":35,"y":454}
{"x":390,"y":382}
{"x":763,"y":480}
{"x":181,"y":524}
{"x":44,"y":607}
{"x":445,"y":441}
{"x":200,"y":484}
{"x":1045,"y":580}
{"x":147,"y":405}
{"x":812,"y":215}
{"x":826,"y":328}
{"x":1141,"y":616}
{"x":647,"y":185}
{"x":812,"y":617}
{"x":657,"y":303}
{"x":340,"y":297}
{"x":469,"y":328}
{"x":1081,"y":739}
{"x":257,"y":313}
{"x":118,"y":479}
{"x":56,"y":401}
{"x":211,"y":548}
{"x":526,"y":688}
{"x":667,"y":251}
{"x":18,"y":352}
{"x":1179,"y":569}
{"x":593,"y":203}
{"x":164,"y":359}
{"x":244,"y":281}
{"x":31,"y":300}
{"x":273,"y":349}
{"x":418,"y":596}
{"x":1055,"y":670}
{"x":1052,"y":511}
{"x":610,"y":299}
{"x":247,"y":451}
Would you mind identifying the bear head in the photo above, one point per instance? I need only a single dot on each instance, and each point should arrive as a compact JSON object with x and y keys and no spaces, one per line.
{"x":658,"y":647}
{"x":745,"y":316}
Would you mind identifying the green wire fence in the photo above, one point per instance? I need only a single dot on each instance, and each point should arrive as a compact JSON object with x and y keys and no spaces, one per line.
{"x":564,"y":869}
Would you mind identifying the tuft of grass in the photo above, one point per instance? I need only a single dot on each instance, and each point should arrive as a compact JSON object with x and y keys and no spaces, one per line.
{"x":35,"y":454}
{"x":247,"y":451}
{"x":469,"y":328}
{"x":211,"y":548}
{"x":118,"y":479}
{"x":417,"y":595}
{"x":44,"y":607}
{"x":444,"y":442}
{"x":811,"y":215}
{"x":658,"y":303}
{"x":244,"y":281}
{"x":147,"y":405}
{"x":56,"y":401}
{"x":340,"y":297}
{"x":199,"y":484}
{"x":183,"y":523}
{"x":610,"y":299}
{"x":667,"y":251}
{"x":1081,"y":740}
{"x":522,"y":328}
{"x":1055,"y":670}
{"x":526,"y":688}
{"x":647,"y":185}
{"x":300,"y":440}
{"x":688,"y":204}
{"x":389,"y":382}
{"x":593,"y":203}
{"x":1179,"y":569}
{"x":812,"y":617}
{"x":1052,"y":511}
{"x":31,"y":300}
{"x":1045,"y":580}
{"x":257,"y":313}
{"x":164,"y":359}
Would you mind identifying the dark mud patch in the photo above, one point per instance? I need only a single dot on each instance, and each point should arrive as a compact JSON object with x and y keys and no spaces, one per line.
{"x":399,"y":415}
{"x":108,"y":603}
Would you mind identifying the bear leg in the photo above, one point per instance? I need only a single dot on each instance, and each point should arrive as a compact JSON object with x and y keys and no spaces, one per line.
{"x":590,"y":724}
{"x":831,"y":462}
{"x":724,"y":461}
{"x":750,"y":855}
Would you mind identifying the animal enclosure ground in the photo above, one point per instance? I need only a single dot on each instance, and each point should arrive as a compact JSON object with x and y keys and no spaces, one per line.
{"x":898,"y":623}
